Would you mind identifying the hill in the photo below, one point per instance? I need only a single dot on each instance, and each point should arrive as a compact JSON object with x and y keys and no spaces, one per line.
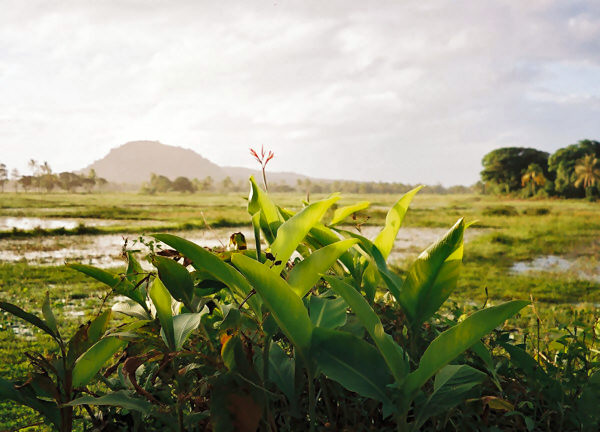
{"x":135,"y":161}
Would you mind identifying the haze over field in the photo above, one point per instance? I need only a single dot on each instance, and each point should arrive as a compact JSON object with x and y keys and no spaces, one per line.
{"x":393,"y":91}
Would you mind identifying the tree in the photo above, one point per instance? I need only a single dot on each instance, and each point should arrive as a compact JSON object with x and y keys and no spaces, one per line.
{"x":227,"y":183}
{"x":532,"y":177}
{"x":207,"y":183}
{"x":587,"y":172}
{"x":505,"y":167}
{"x":183,"y":184}
{"x":69,"y":181}
{"x":26,"y":182}
{"x":159,"y":183}
{"x":14,"y":174}
{"x":3,"y":175}
{"x":562,"y":164}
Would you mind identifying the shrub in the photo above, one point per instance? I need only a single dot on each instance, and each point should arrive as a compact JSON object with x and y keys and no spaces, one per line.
{"x":314,"y":329}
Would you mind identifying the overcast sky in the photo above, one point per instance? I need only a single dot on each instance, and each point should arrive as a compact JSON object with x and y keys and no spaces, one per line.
{"x":408,"y":91}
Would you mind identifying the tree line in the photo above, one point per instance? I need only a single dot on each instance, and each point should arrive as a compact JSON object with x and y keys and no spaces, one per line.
{"x":42,"y":178}
{"x":162,"y":184}
{"x":570,"y":172}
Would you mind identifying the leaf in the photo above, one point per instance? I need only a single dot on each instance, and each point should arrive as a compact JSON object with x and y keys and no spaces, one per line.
{"x":270,"y":218}
{"x":287,"y":308}
{"x":452,"y":342}
{"x":452,"y":385}
{"x":184,"y":325}
{"x":88,"y":365}
{"x":321,"y":236}
{"x":134,"y":272}
{"x":340,"y":214}
{"x":328,"y":313}
{"x":176,"y":279}
{"x":49,"y":316}
{"x":256,"y":229}
{"x":203,"y":260}
{"x":307,"y":272}
{"x":30,"y":318}
{"x":386,"y":238}
{"x":120,"y":285}
{"x":135,"y":311}
{"x":293,"y":231}
{"x":497,"y":403}
{"x":352,"y":362}
{"x":282,"y":372}
{"x":26,"y":396}
{"x":433,"y":276}
{"x":122,"y":399}
{"x":370,"y":279}
{"x":86,"y":336}
{"x":392,"y":353}
{"x":162,"y":301}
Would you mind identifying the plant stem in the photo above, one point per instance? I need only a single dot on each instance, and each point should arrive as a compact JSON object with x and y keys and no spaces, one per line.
{"x":311,"y":402}
{"x":265,"y":178}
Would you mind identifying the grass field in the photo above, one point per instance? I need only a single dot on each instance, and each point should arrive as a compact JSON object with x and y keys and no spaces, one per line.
{"x":510,"y":232}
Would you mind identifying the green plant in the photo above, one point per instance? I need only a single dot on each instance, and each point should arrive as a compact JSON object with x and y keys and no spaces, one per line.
{"x":311,"y":326}
{"x":60,"y":376}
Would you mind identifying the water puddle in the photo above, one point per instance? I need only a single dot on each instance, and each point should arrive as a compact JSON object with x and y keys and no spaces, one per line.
{"x":8,"y":223}
{"x":584,"y":268}
{"x":105,"y":250}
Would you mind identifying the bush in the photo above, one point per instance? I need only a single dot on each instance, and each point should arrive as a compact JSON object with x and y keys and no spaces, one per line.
{"x":503,"y":210}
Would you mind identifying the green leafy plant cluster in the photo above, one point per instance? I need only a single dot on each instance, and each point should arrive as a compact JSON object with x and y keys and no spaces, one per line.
{"x":307,"y":329}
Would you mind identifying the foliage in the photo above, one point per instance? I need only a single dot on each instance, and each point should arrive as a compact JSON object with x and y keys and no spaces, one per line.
{"x":563,"y":163}
{"x":243,"y":342}
{"x":505,"y":167}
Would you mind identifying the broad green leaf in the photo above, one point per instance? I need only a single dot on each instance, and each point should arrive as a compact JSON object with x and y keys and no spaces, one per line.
{"x":26,"y":396}
{"x":122,"y":398}
{"x":352,"y":362}
{"x":321,"y":236}
{"x":134,"y":311}
{"x":386,"y":238}
{"x":281,"y":372}
{"x":392,"y":353}
{"x":184,"y":325}
{"x":328,"y":313}
{"x":49,"y":315}
{"x":162,"y":301}
{"x":293,"y":231}
{"x":119,"y":285}
{"x":90,"y":362}
{"x":285,"y":306}
{"x":307,"y":272}
{"x":256,"y":228}
{"x":453,"y":383}
{"x":433,"y":276}
{"x":203,"y":260}
{"x":270,"y":218}
{"x":370,"y":280}
{"x":454,"y":341}
{"x":30,"y":318}
{"x":87,"y":335}
{"x":176,"y":279}
{"x":134,"y":273}
{"x":340,"y":214}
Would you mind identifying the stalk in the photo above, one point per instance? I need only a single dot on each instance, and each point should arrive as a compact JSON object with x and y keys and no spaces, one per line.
{"x":311,"y":402}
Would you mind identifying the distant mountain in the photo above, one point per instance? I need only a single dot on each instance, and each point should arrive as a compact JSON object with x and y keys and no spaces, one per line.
{"x":135,"y":161}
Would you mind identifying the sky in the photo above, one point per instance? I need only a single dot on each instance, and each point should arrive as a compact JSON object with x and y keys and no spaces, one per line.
{"x":402,"y":91}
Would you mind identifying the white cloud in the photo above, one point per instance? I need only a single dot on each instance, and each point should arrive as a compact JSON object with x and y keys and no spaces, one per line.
{"x":393,"y":91}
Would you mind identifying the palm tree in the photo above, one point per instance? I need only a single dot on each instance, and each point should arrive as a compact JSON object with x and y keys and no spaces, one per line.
{"x":533,"y":176}
{"x":33,"y":165}
{"x":587,"y":171}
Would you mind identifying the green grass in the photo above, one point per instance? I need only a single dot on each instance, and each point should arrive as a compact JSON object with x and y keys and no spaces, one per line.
{"x":514,"y":230}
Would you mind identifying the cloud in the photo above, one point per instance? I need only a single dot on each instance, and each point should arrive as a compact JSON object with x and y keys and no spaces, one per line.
{"x":391,"y":91}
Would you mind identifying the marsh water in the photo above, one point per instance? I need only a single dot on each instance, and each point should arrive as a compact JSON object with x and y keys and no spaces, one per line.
{"x":105,"y":250}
